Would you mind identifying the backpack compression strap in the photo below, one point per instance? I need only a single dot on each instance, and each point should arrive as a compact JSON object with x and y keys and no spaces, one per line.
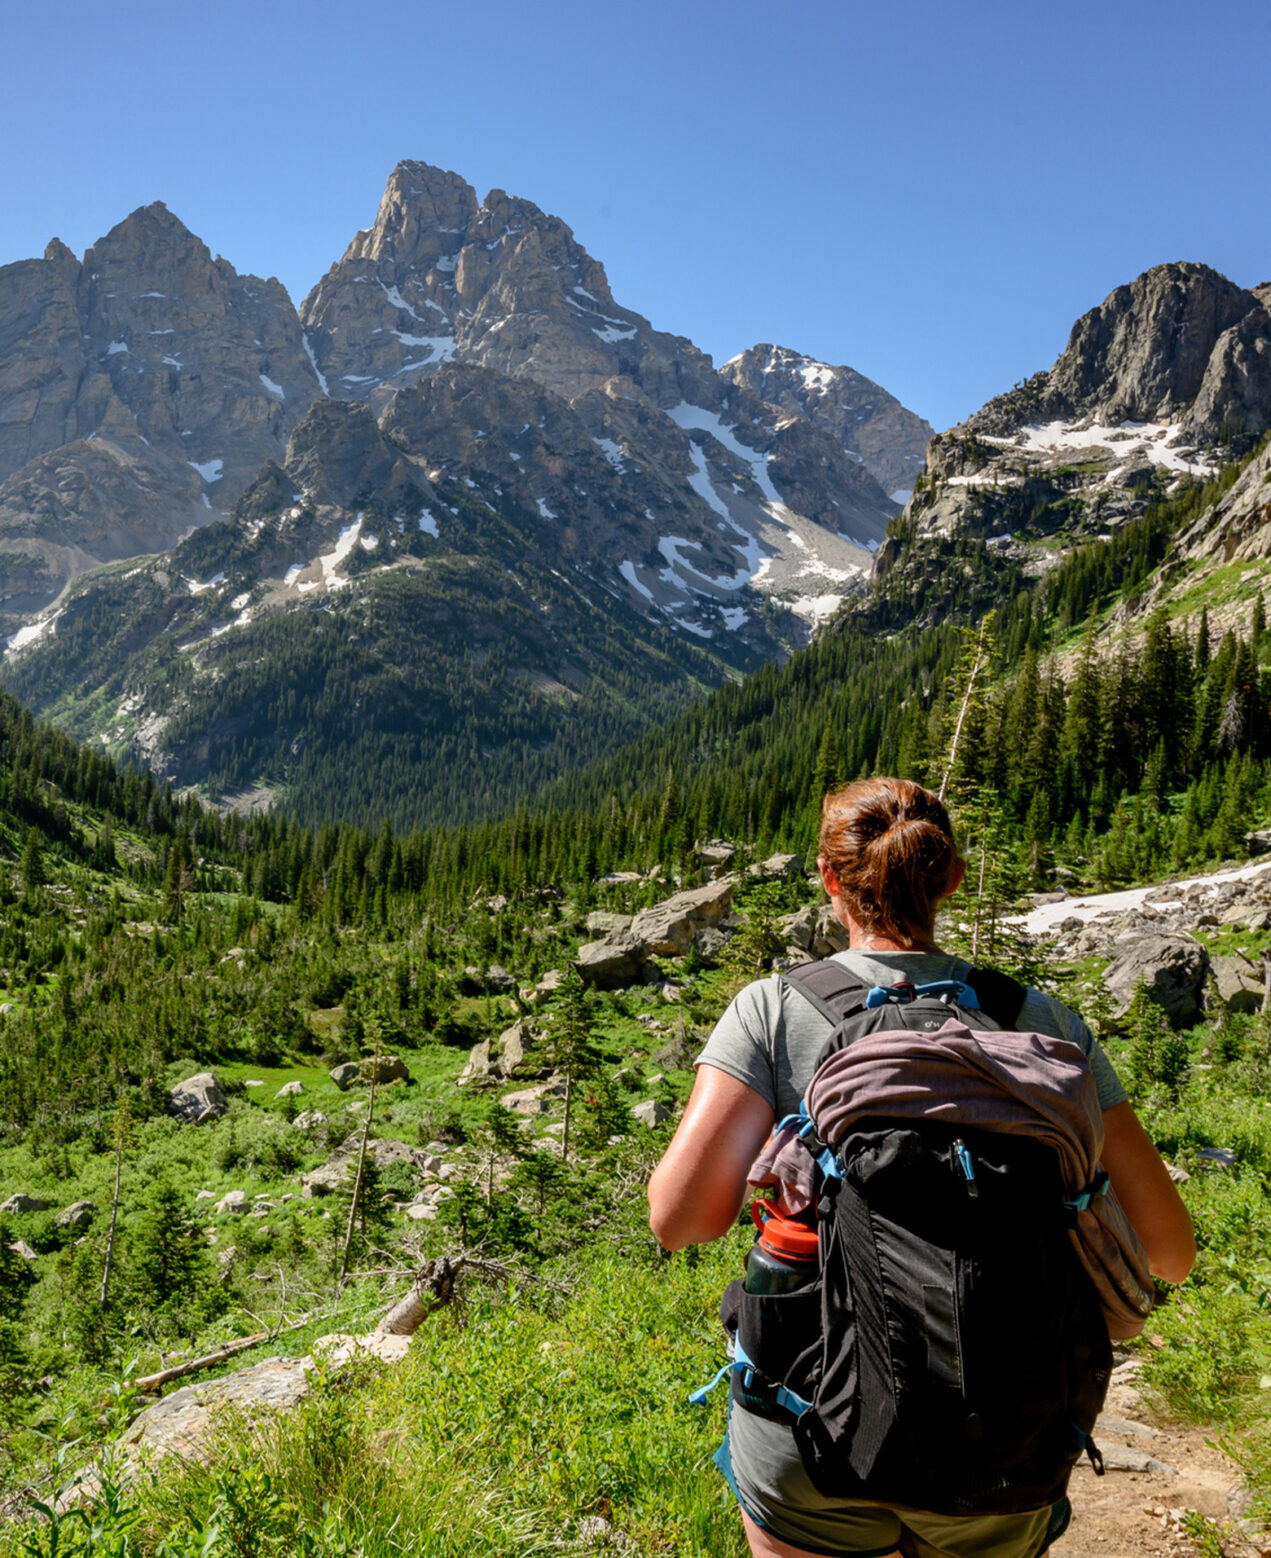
{"x":837,"y":994}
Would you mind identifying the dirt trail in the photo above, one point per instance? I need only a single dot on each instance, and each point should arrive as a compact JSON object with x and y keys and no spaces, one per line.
{"x":1155,"y":1472}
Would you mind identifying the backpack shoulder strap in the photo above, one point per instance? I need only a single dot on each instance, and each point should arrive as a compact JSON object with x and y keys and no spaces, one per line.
{"x":829,"y":988}
{"x":1001,"y":997}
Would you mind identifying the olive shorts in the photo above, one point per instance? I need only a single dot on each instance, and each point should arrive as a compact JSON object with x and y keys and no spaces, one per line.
{"x":769,"y":1482}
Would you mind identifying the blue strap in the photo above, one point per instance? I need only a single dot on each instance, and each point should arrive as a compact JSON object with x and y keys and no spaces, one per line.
{"x":903,"y":993}
{"x":793,"y":1403}
{"x":1098,"y":1187}
{"x":801,"y":1123}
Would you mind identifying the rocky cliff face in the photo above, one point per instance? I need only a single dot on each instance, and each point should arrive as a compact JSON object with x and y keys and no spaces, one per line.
{"x":1155,"y":384}
{"x":140,"y":390}
{"x":871,"y":426}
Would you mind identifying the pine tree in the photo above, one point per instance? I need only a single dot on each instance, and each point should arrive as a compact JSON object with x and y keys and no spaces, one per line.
{"x":570,"y":1046}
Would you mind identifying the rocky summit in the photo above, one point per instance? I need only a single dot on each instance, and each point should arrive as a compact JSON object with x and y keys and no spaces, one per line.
{"x":141,"y":388}
{"x":1165,"y":379}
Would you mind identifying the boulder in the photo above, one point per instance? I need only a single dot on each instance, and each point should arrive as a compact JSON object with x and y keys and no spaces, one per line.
{"x":1240,"y":988}
{"x":829,"y":935}
{"x":534,"y":1100}
{"x":514,"y":1044}
{"x":614,"y":963}
{"x":547,"y":986}
{"x":711,"y":941}
{"x":651,"y":1112}
{"x":22,"y":1248}
{"x":341,"y":1166}
{"x":78,"y":1215}
{"x":384,"y":1068}
{"x":668,"y":928}
{"x":290,"y":1089}
{"x":24,"y":1203}
{"x":1259,"y":841}
{"x":1172,"y":968}
{"x":779,"y":868}
{"x":310,"y":1120}
{"x":477,"y":1065}
{"x":799,"y":928}
{"x":345,"y":1075}
{"x":601,"y":923}
{"x":234,"y":1201}
{"x":198,"y":1099}
{"x":498,"y":980}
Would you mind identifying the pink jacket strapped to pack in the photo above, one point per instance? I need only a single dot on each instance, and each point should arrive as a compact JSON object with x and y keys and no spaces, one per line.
{"x":1027,"y":1084}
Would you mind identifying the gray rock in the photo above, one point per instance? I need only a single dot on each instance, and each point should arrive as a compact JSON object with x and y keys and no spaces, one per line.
{"x":1239,"y":987}
{"x":547,"y":986}
{"x":601,"y":923}
{"x":534,"y":1100}
{"x":477,"y":1065}
{"x":717,"y":855}
{"x":829,"y":935}
{"x":799,"y":928}
{"x":78,"y":1215}
{"x":198,"y":1099}
{"x":341,"y":1167}
{"x":21,"y":1202}
{"x":651,"y":1112}
{"x":668,"y":928}
{"x":889,"y":440}
{"x":384,"y":1068}
{"x":1172,"y":969}
{"x":710,"y":942}
{"x":779,"y":868}
{"x":290,"y":1089}
{"x":514,"y":1046}
{"x":22,"y":1248}
{"x":498,"y":980}
{"x":345,"y":1075}
{"x":1124,"y":1457}
{"x":310,"y":1120}
{"x":1259,"y":841}
{"x":613,"y":963}
{"x":233,"y":1201}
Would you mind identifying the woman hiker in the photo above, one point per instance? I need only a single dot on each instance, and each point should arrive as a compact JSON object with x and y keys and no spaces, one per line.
{"x":887,"y":861}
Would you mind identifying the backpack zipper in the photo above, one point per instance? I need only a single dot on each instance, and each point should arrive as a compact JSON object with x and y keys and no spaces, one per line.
{"x":967,"y":1164}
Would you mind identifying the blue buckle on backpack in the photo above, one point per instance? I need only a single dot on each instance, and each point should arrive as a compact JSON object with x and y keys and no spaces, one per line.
{"x":1098,"y":1186}
{"x":903,"y":992}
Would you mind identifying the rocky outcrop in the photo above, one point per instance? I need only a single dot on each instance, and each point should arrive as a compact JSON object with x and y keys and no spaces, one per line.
{"x":870,"y":425}
{"x":198,"y":1100}
{"x":1172,"y":970}
{"x":341,"y":1166}
{"x":78,"y":1215}
{"x":668,"y":928}
{"x":1151,"y":381}
{"x":21,"y":1203}
{"x":614,"y":962}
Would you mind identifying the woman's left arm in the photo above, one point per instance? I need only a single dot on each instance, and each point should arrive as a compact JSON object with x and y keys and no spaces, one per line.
{"x":696,"y":1191}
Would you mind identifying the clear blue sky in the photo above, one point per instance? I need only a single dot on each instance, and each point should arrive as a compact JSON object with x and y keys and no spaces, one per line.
{"x":931,"y":192}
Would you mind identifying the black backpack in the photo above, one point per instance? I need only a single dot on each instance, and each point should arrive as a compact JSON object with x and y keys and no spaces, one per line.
{"x":951,"y":1354}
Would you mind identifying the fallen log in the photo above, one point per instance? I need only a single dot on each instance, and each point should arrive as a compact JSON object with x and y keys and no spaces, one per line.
{"x":209,"y":1360}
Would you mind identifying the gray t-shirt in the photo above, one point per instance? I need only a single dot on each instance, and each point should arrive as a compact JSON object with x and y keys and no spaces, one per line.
{"x":770,"y":1037}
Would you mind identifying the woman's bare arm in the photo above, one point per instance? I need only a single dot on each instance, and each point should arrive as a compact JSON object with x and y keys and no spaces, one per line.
{"x":1148,"y":1195}
{"x":696,"y":1191}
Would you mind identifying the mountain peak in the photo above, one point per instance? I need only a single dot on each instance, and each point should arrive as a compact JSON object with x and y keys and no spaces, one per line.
{"x":423,"y":212}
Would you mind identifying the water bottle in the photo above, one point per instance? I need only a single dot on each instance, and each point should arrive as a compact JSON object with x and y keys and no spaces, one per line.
{"x":783,"y":1257}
